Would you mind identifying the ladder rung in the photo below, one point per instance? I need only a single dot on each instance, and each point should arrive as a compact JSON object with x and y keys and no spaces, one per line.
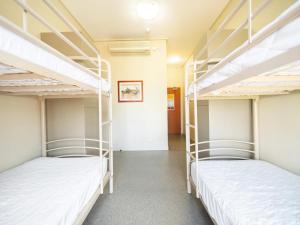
{"x":190,"y":125}
{"x":107,"y":94}
{"x":106,"y":122}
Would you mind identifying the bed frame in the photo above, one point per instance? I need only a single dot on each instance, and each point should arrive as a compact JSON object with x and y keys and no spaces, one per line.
{"x":271,"y":76}
{"x":195,"y":72}
{"x":101,"y":69}
{"x":88,"y":207}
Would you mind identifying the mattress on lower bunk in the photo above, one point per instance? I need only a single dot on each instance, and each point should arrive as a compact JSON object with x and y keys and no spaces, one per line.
{"x":244,"y":192}
{"x":48,"y":191}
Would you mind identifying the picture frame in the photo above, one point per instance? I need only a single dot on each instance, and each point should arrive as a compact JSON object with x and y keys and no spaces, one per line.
{"x":171,"y":101}
{"x":130,"y":91}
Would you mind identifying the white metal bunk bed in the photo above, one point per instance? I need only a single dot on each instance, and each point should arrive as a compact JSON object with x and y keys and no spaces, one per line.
{"x":233,"y":184}
{"x":68,"y":184}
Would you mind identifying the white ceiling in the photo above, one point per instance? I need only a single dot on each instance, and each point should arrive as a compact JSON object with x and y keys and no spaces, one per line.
{"x":181,"y":22}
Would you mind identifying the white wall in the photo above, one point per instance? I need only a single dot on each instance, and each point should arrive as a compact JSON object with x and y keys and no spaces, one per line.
{"x":75,"y":118}
{"x":142,"y":125}
{"x":279,"y":128}
{"x":230,"y":119}
{"x":203,"y":123}
{"x":230,"y":115}
{"x":92,"y":120}
{"x":20,"y":137}
{"x":203,"y":120}
{"x":91,"y":117}
{"x":65,"y":119}
{"x":175,"y":78}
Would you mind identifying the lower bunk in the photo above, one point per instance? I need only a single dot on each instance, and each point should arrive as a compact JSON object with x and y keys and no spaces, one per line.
{"x":51,"y":191}
{"x":244,"y":192}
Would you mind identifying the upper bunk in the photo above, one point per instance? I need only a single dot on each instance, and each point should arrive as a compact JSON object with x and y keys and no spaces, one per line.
{"x":267,"y":63}
{"x":30,"y":65}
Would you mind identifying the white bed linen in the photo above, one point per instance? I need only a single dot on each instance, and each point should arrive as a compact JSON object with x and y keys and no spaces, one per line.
{"x":14,"y":43}
{"x":277,"y":43}
{"x":48,"y":191}
{"x":248,"y":192}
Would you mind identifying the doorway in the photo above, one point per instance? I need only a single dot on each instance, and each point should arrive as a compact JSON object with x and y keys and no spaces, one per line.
{"x":174,"y":108}
{"x":176,"y":140}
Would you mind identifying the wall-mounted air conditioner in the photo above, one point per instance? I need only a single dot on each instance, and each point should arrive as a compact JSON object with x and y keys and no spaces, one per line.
{"x":131,"y":48}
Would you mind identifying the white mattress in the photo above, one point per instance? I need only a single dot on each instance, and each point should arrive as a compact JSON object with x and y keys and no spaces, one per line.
{"x":248,"y":192}
{"x":48,"y":191}
{"x":36,"y":55}
{"x":277,"y":43}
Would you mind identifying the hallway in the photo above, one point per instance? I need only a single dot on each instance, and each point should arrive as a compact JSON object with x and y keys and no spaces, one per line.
{"x":150,"y":189}
{"x":176,"y":142}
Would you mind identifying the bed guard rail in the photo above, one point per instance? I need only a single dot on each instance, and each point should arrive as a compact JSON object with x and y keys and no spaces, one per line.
{"x":223,"y":152}
{"x":229,"y":150}
{"x":93,"y":62}
{"x":69,"y":147}
{"x":200,"y":66}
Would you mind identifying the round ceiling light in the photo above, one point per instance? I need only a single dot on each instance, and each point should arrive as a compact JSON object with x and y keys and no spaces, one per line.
{"x":174,"y":59}
{"x":147,"y":10}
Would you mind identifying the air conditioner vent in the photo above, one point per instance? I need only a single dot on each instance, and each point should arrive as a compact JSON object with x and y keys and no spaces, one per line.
{"x":131,"y":48}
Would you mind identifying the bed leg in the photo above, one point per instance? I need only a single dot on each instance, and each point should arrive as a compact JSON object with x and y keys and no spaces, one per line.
{"x":111,"y":185}
{"x":101,"y":188}
{"x":189,"y":188}
{"x":197,"y":192}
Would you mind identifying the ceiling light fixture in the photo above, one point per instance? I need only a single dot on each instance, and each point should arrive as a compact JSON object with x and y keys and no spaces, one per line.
{"x":147,"y":10}
{"x":174,"y":59}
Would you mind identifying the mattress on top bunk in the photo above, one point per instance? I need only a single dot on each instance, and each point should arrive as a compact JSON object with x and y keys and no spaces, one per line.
{"x":36,"y":54}
{"x":48,"y":191}
{"x":244,"y":192}
{"x":277,"y":43}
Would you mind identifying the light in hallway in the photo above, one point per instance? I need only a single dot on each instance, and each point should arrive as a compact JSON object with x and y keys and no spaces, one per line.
{"x":174,"y":59}
{"x":148,"y":10}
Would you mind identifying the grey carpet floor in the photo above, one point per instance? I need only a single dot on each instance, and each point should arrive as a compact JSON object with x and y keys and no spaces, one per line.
{"x":176,"y":142}
{"x":150,"y":189}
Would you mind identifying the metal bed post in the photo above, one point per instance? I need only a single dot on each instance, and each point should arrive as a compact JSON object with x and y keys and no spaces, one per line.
{"x":187,"y":129}
{"x":109,"y":151}
{"x":100,"y":119}
{"x":111,"y":158}
{"x":250,"y":21}
{"x":43,"y":127}
{"x":25,"y":18}
{"x":255,"y":103}
{"x":196,"y":126}
{"x":28,"y":9}
{"x":110,"y":147}
{"x":63,"y":18}
{"x":84,"y":147}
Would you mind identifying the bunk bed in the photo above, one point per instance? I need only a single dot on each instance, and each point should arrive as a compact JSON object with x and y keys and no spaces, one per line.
{"x":61,"y":186}
{"x":235,"y":186}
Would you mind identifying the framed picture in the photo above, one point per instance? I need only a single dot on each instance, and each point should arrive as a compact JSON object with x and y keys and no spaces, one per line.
{"x":130,"y":91}
{"x":171,"y":102}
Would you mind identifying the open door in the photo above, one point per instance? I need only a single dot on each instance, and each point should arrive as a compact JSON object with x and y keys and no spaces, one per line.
{"x":174,"y":121}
